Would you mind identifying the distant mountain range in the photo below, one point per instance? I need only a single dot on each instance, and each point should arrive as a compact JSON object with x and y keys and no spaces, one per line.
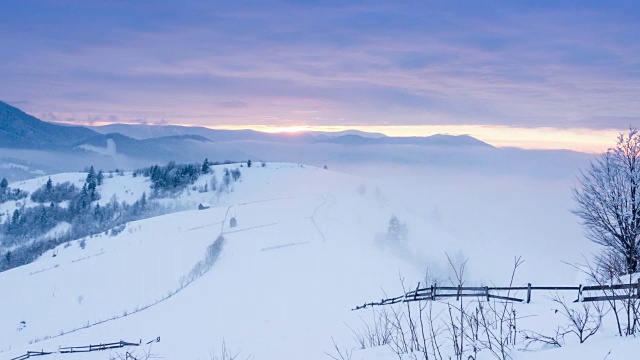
{"x":23,"y":131}
{"x":29,"y":146}
{"x":153,"y":131}
{"x":349,"y":137}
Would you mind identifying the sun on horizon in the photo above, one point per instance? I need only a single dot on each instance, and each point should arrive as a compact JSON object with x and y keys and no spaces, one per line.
{"x":586,"y":140}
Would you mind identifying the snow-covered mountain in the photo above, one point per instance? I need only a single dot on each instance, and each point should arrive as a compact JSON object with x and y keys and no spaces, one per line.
{"x":348,"y":137}
{"x":23,"y":131}
{"x":154,"y":131}
{"x":35,"y":146}
{"x":141,"y":145}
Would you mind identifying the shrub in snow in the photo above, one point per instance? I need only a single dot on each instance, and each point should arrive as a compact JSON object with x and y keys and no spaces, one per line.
{"x":117,"y":230}
{"x":225,"y":353}
{"x":204,"y":265}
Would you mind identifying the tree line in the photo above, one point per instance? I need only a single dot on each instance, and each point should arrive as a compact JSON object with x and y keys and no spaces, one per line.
{"x":65,"y":202}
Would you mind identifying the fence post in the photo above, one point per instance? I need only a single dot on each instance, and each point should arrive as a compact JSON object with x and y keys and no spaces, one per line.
{"x":486,"y":290}
{"x":434,"y":288}
{"x":580,"y":293}
{"x":638,"y":288}
{"x":528,"y":293}
{"x":458,"y":293}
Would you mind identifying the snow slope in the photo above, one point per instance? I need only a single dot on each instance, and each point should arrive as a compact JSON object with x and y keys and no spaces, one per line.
{"x":308,"y":247}
{"x":299,"y":231}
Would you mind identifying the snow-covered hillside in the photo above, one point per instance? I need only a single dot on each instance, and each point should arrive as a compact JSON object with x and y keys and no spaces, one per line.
{"x":309,"y":245}
{"x":300,"y":233}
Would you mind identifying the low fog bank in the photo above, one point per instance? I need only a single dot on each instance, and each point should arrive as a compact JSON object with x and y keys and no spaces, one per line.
{"x":468,"y":201}
{"x":515,"y":204}
{"x":17,"y":164}
{"x":451,"y":158}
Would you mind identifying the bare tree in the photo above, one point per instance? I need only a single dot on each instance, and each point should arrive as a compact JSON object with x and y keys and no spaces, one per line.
{"x":345,"y":354}
{"x":608,"y":201}
{"x":584,"y":321}
{"x":377,"y":334}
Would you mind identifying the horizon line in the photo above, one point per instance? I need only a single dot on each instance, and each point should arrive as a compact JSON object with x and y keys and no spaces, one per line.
{"x":586,"y":140}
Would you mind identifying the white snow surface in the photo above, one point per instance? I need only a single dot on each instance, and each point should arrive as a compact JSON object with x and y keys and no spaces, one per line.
{"x":306,"y":250}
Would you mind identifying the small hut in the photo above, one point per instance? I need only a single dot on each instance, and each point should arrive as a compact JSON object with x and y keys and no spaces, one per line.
{"x":203,"y":206}
{"x":233,"y":222}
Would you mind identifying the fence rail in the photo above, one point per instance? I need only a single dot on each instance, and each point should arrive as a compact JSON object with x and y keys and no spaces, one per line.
{"x":99,"y":347}
{"x":434,"y":292}
{"x":82,"y":349}
{"x":31,"y":354}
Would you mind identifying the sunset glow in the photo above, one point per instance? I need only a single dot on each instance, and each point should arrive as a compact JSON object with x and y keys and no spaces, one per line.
{"x":581,"y":139}
{"x":538,"y":138}
{"x":554,"y":75}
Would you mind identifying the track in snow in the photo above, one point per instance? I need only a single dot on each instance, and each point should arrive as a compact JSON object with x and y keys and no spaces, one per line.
{"x":313,"y":220}
{"x":250,"y":228}
{"x":283,"y":246}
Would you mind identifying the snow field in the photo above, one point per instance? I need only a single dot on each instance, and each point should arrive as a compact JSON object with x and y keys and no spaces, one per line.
{"x":308,"y":247}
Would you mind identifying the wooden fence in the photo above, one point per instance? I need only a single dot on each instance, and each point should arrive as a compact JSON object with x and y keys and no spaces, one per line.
{"x":31,"y":354}
{"x":99,"y":347}
{"x":82,"y":349}
{"x":434,"y":292}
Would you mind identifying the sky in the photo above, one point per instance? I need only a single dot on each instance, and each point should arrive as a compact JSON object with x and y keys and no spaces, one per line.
{"x":537,"y":74}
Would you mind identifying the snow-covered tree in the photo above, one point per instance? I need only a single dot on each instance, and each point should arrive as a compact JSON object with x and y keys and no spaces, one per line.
{"x":226,"y":179}
{"x":100,"y":177}
{"x":54,"y":193}
{"x":397,"y":230}
{"x":236,"y":174}
{"x":213,"y":182}
{"x":9,"y":194}
{"x":91,"y":176}
{"x":206,"y":166}
{"x":608,"y":202}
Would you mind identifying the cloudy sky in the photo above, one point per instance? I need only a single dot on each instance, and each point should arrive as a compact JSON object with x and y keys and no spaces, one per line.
{"x":545,"y":72}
